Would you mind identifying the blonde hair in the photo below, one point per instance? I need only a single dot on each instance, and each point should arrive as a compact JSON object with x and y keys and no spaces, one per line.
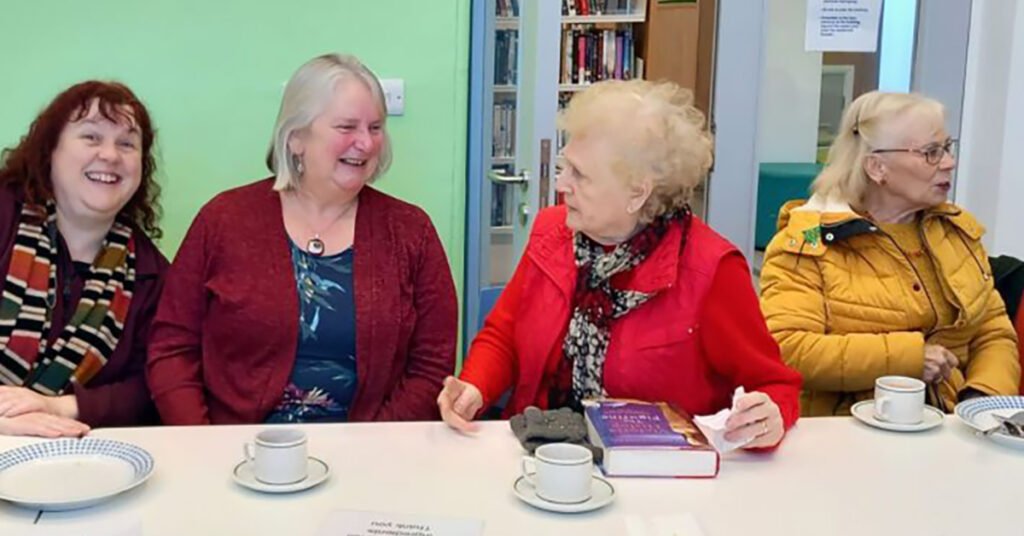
{"x":306,"y":96}
{"x":657,"y":132}
{"x":867,"y":124}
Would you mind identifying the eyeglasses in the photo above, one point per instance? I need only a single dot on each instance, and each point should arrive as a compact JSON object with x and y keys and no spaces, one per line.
{"x":932,"y":153}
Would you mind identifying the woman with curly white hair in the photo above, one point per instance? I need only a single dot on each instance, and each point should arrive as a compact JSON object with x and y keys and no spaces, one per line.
{"x":621,"y":291}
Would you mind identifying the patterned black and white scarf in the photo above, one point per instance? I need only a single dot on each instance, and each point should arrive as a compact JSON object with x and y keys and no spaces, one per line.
{"x":596,"y":304}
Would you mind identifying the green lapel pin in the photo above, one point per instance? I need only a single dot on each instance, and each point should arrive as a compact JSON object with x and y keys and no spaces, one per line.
{"x":812,"y":236}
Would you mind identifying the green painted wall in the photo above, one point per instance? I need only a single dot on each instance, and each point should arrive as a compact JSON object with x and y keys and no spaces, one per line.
{"x":212,"y":73}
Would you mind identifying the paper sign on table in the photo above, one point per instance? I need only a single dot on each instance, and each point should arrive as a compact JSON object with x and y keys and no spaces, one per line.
{"x":666,"y":525}
{"x":842,"y":25}
{"x":355,"y":523}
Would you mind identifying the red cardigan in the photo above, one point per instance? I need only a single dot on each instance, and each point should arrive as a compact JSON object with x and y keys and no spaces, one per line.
{"x":702,"y":335}
{"x":117,"y":395}
{"x":226,"y":332}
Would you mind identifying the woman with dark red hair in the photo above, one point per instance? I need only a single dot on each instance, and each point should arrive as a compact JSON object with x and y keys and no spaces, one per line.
{"x":78,"y":212}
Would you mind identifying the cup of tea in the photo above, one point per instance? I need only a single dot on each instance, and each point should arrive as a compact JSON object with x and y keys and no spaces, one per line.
{"x":560,"y":472}
{"x":899,"y":399}
{"x":278,"y":456}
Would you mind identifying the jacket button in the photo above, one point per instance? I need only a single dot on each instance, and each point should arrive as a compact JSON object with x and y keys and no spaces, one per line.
{"x":917,"y":287}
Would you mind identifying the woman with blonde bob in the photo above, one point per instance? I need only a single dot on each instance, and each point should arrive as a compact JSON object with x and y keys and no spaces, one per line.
{"x":877,"y":274}
{"x":308,"y":296}
{"x":621,"y":291}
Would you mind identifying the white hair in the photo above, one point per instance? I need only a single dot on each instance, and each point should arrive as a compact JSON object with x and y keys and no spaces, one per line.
{"x":306,"y":97}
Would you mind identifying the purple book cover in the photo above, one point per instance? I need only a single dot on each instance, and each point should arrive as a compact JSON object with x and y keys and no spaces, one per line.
{"x":638,"y":424}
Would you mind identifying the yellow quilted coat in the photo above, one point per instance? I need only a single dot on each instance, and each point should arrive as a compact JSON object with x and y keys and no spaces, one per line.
{"x":846,"y":305}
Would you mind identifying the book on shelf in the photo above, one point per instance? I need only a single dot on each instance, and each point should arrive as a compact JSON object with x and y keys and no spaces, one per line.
{"x":506,"y":45}
{"x":503,"y":130}
{"x":507,"y":8}
{"x":591,"y":55}
{"x":597,"y":7}
{"x":653,"y":439}
{"x":501,"y":204}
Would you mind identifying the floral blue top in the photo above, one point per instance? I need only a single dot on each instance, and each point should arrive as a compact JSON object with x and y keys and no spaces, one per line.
{"x":323,"y":380}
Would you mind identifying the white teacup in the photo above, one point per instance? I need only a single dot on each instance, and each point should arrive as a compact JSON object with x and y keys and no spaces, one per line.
{"x":278,"y":456}
{"x":899,"y":399}
{"x":560,"y":472}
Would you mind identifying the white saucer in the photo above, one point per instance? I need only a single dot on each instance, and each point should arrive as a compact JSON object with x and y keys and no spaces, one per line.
{"x":864,"y":411}
{"x":602,"y":493}
{"x":316,"y":472}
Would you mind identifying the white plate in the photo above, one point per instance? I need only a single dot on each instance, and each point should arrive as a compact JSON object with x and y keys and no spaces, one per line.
{"x":316,"y":472}
{"x":602,"y":493}
{"x":977,"y":413}
{"x":864,"y":411}
{"x":66,"y":474}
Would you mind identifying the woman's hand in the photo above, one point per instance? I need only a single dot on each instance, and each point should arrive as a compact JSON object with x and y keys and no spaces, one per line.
{"x":938,"y":363}
{"x":16,"y":401}
{"x":459,"y":403}
{"x":42,"y":425}
{"x":755,"y":415}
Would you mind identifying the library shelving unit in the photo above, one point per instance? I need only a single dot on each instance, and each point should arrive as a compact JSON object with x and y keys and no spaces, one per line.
{"x":598,"y":40}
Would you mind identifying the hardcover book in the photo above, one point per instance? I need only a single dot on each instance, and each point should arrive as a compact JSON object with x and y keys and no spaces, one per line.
{"x":649,"y":439}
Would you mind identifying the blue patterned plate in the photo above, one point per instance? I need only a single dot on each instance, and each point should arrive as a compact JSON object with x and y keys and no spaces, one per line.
{"x":66,"y":474}
{"x":977,"y":413}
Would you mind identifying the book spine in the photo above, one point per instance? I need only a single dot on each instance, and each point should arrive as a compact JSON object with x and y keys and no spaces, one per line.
{"x":627,"y":71}
{"x":591,"y":57}
{"x":511,"y":130}
{"x":581,"y":52}
{"x":618,"y":56}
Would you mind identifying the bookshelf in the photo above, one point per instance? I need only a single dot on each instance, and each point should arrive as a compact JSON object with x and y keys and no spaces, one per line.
{"x":600,"y":39}
{"x":596,"y":40}
{"x":506,"y":22}
{"x":612,"y":29}
{"x":605,"y":19}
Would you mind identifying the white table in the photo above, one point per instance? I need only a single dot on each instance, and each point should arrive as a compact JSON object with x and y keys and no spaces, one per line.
{"x":833,"y":476}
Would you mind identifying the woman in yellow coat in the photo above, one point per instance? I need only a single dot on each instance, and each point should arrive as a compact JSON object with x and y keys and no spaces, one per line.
{"x":878,"y":274}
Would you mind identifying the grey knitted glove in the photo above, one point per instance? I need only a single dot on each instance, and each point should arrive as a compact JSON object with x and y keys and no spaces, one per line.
{"x":534,"y":428}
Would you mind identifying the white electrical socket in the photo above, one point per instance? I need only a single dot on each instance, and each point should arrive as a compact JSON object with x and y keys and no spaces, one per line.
{"x":394,"y":95}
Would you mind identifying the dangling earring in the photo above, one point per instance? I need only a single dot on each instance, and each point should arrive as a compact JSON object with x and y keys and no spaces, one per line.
{"x":299,"y":167}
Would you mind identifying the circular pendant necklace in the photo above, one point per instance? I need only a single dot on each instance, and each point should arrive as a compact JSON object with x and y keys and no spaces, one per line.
{"x":315,"y":246}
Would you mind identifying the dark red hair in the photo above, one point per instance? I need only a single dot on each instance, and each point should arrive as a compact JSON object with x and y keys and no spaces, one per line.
{"x":26,"y":167}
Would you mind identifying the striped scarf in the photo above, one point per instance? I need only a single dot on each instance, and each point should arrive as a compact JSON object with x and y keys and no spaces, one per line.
{"x":30,"y":293}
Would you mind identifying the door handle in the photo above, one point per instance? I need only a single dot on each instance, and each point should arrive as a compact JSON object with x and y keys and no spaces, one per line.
{"x":501,"y":178}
